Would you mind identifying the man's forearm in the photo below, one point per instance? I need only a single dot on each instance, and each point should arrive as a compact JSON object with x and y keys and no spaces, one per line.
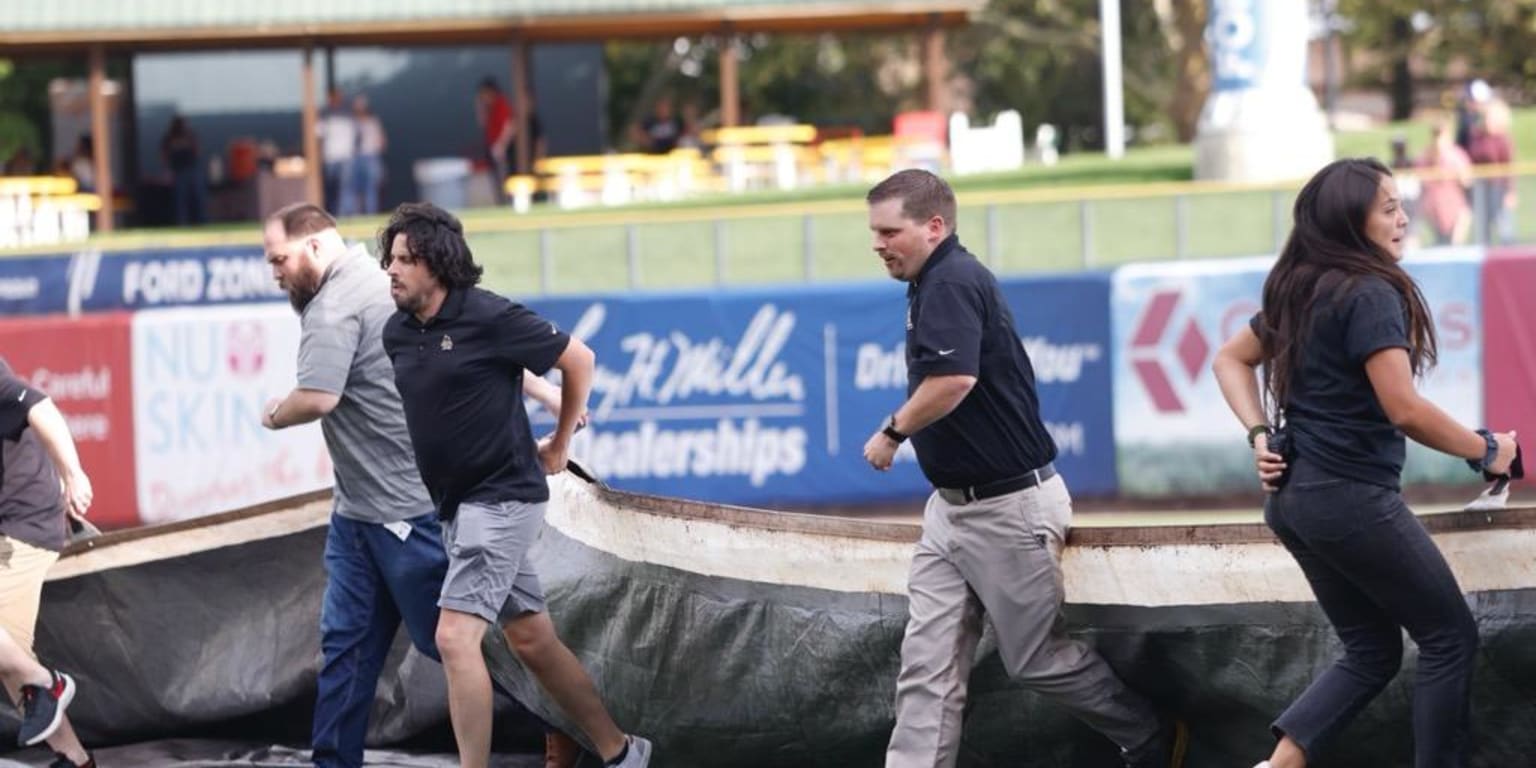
{"x":934,"y":398}
{"x":51,"y":428}
{"x":302,"y":406}
{"x":575,"y":386}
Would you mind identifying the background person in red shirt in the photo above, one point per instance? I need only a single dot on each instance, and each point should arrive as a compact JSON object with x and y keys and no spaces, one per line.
{"x":496,"y":120}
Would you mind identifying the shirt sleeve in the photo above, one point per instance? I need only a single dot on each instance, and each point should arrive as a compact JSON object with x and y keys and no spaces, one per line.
{"x":946,"y":337}
{"x":327,"y":347}
{"x":529,"y":341}
{"x":1376,"y":319}
{"x":16,"y":401}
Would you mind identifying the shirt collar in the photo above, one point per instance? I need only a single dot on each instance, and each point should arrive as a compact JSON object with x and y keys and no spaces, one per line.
{"x":452,"y":308}
{"x":941,"y":251}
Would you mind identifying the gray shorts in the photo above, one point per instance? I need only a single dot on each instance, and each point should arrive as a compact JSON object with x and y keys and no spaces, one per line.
{"x":489,"y":573}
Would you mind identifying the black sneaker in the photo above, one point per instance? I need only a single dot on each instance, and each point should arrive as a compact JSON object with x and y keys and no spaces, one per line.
{"x":61,"y":760}
{"x":43,"y":708}
{"x":1165,"y":750}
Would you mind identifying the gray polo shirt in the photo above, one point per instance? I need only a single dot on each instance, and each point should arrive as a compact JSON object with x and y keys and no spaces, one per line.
{"x":341,"y":351}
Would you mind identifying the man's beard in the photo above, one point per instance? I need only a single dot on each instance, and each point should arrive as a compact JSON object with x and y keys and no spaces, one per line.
{"x":303,"y":288}
{"x":409,"y":303}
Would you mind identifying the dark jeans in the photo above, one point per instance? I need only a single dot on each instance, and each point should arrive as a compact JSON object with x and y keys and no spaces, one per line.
{"x":373,"y":581}
{"x":189,"y":196}
{"x":1375,"y":572}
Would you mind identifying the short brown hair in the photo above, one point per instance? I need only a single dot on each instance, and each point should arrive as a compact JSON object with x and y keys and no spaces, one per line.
{"x":302,"y":219}
{"x":923,"y":195}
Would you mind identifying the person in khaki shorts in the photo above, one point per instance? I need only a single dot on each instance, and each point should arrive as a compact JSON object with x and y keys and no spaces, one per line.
{"x":41,"y":483}
{"x":995,"y":525}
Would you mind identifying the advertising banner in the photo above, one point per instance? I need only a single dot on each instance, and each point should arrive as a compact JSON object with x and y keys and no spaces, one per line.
{"x":34,"y":285}
{"x":1509,"y":371}
{"x":1173,"y":430}
{"x":91,"y":281}
{"x":200,"y":379}
{"x":767,"y":397}
{"x":83,"y":366}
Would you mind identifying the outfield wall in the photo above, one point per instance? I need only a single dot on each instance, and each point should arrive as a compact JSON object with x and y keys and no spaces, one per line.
{"x":759,"y":396}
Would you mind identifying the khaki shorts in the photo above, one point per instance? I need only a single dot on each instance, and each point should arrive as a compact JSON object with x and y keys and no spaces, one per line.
{"x":22,"y":569}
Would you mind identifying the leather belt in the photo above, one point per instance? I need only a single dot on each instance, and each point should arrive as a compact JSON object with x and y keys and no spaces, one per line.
{"x":998,"y":487}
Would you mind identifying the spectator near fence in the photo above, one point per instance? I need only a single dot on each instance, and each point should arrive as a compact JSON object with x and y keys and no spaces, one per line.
{"x":1443,"y":194}
{"x":1491,"y":145}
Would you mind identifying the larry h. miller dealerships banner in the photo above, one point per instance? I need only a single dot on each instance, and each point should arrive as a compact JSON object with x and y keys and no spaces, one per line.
{"x":767,"y":396}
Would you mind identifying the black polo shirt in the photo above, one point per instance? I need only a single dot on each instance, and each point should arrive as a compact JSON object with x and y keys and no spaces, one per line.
{"x":958,"y":323}
{"x":460,"y":376}
{"x":31,"y":507}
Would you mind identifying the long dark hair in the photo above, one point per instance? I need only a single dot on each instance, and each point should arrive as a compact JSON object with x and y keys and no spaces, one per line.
{"x":434,"y":236}
{"x":1325,"y":256}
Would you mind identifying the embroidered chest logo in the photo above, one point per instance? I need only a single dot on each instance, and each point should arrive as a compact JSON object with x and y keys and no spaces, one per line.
{"x":447,"y":343}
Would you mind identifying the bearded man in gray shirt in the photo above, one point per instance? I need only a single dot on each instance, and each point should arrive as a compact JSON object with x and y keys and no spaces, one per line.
{"x":384,"y":556}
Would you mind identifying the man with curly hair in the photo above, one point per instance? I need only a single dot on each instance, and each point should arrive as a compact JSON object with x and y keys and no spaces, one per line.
{"x":460,"y":353}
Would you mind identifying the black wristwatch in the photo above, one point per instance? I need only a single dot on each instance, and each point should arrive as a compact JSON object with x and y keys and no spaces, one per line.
{"x":890,"y":430}
{"x":1259,"y":429}
{"x":1489,"y":454}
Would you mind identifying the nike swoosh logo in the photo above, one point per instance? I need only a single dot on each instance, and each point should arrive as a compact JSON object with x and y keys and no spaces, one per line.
{"x":944,"y":352}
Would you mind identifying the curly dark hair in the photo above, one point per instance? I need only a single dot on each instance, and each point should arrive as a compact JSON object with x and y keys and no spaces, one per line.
{"x":435,"y":237}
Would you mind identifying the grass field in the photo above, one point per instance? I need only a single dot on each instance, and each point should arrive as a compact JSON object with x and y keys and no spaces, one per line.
{"x":1087,"y":211}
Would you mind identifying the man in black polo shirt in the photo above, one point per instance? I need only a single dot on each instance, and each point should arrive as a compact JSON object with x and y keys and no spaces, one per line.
{"x":459,"y":353}
{"x":997,"y":520}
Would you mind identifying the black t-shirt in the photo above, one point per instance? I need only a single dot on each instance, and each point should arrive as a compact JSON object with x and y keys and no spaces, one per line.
{"x":460,"y":376}
{"x":958,"y":324}
{"x":1332,"y":412}
{"x":662,"y":135}
{"x":31,"y":507}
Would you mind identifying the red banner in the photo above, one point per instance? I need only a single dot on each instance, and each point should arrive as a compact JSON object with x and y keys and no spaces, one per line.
{"x":1509,"y":343}
{"x":83,"y":364}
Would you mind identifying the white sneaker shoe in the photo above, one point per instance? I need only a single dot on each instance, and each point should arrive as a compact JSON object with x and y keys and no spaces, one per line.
{"x":639,"y":753}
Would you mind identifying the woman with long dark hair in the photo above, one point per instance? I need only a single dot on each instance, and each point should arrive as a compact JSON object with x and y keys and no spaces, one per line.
{"x":1342,"y":334}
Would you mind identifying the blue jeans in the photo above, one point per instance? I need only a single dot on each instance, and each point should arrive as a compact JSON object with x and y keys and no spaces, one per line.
{"x":374,"y":580}
{"x":367,"y":174}
{"x":340,"y":188}
{"x":189,"y":196}
{"x":1376,"y":572}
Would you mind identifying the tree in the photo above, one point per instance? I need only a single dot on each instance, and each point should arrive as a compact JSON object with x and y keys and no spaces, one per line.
{"x":1040,"y":57}
{"x":1407,"y":44}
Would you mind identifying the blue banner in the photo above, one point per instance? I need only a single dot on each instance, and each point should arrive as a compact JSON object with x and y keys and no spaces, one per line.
{"x":91,"y":281}
{"x":768,"y":396}
{"x":1238,"y":42}
{"x":33,"y":285}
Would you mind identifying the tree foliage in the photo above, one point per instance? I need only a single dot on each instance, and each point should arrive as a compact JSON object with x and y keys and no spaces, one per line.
{"x":1040,"y":57}
{"x":1415,"y":48}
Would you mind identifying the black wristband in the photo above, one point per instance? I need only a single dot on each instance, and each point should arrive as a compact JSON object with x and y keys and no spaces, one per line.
{"x":889,"y":430}
{"x":1490,"y":453}
{"x":1255,"y":430}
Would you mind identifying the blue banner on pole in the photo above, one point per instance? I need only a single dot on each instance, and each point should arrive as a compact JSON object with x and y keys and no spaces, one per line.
{"x":91,"y":281}
{"x":767,"y":396}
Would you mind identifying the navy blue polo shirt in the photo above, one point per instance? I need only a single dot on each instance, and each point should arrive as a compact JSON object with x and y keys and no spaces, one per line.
{"x":460,"y":376}
{"x":958,"y":324}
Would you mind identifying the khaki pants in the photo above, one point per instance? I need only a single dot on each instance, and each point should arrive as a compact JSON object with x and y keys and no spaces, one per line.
{"x":999,"y":559}
{"x":22,"y":569}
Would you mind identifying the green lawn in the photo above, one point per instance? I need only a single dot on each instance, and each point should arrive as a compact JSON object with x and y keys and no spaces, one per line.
{"x":1035,"y":219}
